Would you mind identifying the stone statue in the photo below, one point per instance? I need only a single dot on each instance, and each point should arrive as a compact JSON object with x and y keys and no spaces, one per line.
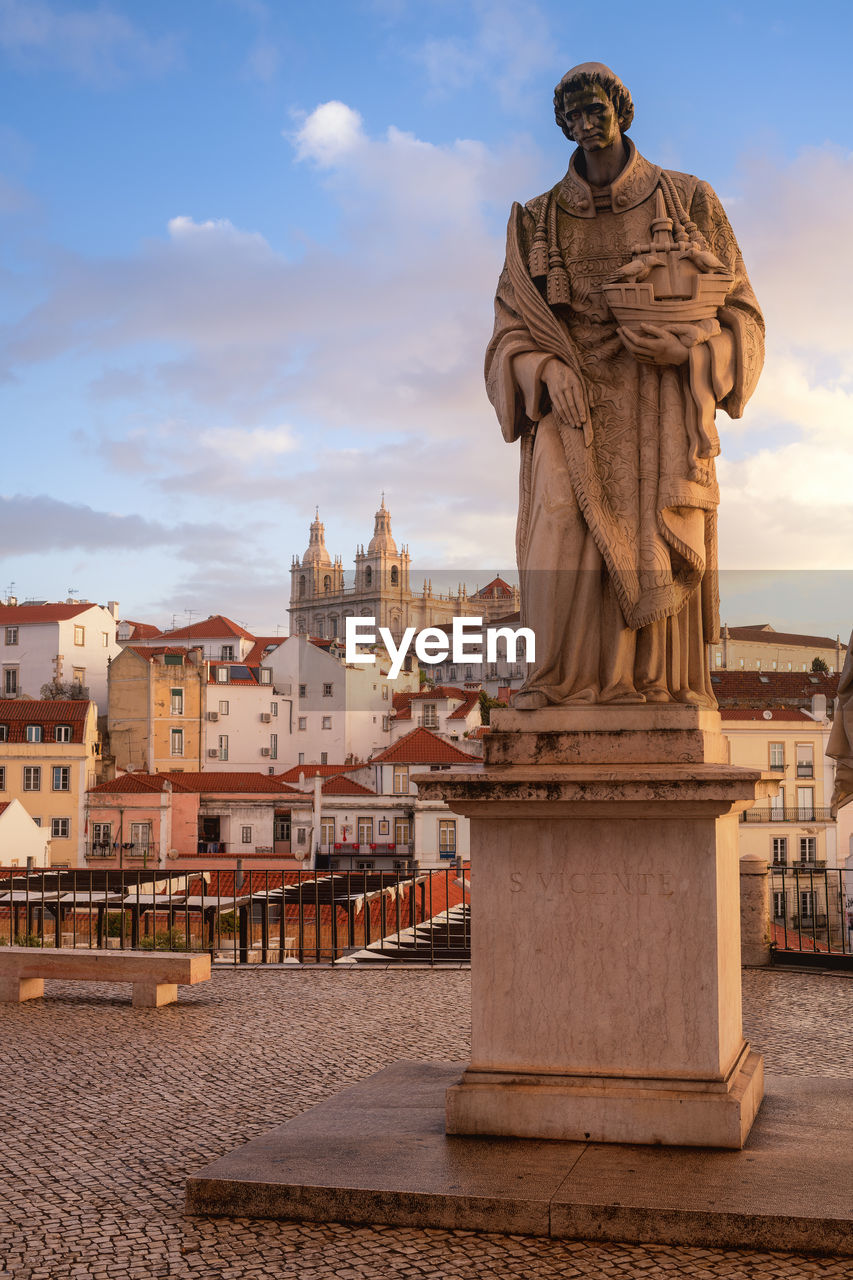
{"x":840,"y":745}
{"x":623,"y":319}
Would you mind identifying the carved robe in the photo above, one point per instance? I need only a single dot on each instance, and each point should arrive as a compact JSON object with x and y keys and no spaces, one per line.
{"x":840,"y":745}
{"x":616,"y":538}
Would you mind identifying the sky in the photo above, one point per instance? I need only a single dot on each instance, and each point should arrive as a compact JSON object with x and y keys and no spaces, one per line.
{"x":248,"y":251}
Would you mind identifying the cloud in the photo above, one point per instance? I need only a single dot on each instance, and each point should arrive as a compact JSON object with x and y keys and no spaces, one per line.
{"x":330,"y":133}
{"x":33,"y":524}
{"x":98,"y":46}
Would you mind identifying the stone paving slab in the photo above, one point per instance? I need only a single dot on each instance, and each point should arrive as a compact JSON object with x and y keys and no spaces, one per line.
{"x":378,"y":1153}
{"x":107,"y":1110}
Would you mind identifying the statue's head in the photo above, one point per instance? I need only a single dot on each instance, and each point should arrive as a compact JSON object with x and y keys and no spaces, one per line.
{"x":590,"y":82}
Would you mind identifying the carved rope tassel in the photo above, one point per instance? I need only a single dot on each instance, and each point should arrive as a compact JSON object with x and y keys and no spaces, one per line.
{"x":537,"y":260}
{"x":559,"y":289}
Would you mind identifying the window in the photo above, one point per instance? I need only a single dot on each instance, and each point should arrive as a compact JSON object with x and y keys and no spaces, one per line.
{"x":2,"y":777}
{"x":777,"y":755}
{"x":140,"y":838}
{"x":300,"y":759}
{"x":266,"y":675}
{"x":447,"y":835}
{"x":79,"y":635}
{"x":226,"y":653}
{"x":430,"y":716}
{"x":368,"y":577}
{"x":365,"y":831}
{"x":60,"y":828}
{"x":223,"y":746}
{"x":779,"y":897}
{"x":303,"y":690}
{"x":401,"y":779}
{"x":808,"y":848}
{"x":302,"y":723}
{"x":384,"y":693}
{"x":62,"y":733}
{"x":245,"y":835}
{"x":327,"y":582}
{"x":61,"y":778}
{"x":37,"y":821}
{"x":718,"y":658}
{"x":805,"y":760}
{"x":101,"y":835}
{"x":222,"y":675}
{"x":395,"y":575}
{"x":32,"y":777}
{"x":273,"y":708}
{"x":10,"y":680}
{"x":326,"y":722}
{"x":281,"y":827}
{"x":386,"y":722}
{"x":78,"y":676}
{"x":402,"y":831}
{"x":105,"y":639}
{"x":223,"y":708}
{"x":35,"y":733}
{"x":4,"y":733}
{"x":324,"y":757}
{"x":273,"y":746}
{"x":11,"y":635}
{"x":176,"y":742}
{"x":780,"y":850}
{"x":327,"y":691}
{"x":805,"y":804}
{"x":777,"y":806}
{"x":327,"y":831}
{"x":807,"y":904}
{"x":176,"y":705}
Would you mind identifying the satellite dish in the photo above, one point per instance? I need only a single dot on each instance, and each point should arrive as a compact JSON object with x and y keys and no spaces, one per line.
{"x":768,"y":715}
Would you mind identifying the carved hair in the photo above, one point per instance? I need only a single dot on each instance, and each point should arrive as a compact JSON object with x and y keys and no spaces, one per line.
{"x":585,"y":76}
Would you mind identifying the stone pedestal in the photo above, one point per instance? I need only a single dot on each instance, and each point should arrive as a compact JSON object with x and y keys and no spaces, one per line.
{"x":606,"y":929}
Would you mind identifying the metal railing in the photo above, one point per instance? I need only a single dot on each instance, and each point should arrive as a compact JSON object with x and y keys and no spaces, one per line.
{"x":799,"y":813}
{"x":129,"y":849}
{"x":812,"y":911}
{"x":244,"y":917}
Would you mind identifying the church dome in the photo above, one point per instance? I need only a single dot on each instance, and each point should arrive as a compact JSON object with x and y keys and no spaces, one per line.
{"x":316,"y":553}
{"x":383,"y":539}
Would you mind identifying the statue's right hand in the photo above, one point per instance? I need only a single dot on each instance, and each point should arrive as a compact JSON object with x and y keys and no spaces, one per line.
{"x":566,"y":391}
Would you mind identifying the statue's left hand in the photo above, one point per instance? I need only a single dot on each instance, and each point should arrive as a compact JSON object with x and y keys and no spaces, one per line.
{"x":655,"y":345}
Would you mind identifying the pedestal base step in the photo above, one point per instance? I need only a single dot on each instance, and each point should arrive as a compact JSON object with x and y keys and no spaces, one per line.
{"x":378,"y":1153}
{"x":688,"y":1113}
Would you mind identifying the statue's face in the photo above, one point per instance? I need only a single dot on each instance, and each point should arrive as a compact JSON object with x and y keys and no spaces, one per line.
{"x":591,"y":119}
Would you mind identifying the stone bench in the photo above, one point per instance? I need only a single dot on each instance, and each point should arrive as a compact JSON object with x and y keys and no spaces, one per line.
{"x":155,"y":974}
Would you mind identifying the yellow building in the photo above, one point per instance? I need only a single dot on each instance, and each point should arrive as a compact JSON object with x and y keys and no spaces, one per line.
{"x":761,"y":648}
{"x":49,"y":757}
{"x":155,"y":709}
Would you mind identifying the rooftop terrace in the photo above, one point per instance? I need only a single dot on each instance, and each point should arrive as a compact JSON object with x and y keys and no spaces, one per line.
{"x":109,"y":1108}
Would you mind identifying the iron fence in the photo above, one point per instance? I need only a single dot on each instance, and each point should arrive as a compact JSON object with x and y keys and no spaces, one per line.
{"x":245,"y":917}
{"x":811,"y":911}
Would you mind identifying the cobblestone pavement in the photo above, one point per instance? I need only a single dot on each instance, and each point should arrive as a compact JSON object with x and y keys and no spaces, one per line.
{"x":107,"y":1109}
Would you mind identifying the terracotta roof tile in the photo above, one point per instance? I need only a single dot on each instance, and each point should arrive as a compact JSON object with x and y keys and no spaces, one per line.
{"x":17,"y":713}
{"x":132,"y":784}
{"x":767,"y":716}
{"x":141,"y":629}
{"x":341,"y":786}
{"x":497,"y":589}
{"x":25,"y":614}
{"x":256,"y":655}
{"x":210,"y":629}
{"x":4,"y":805}
{"x":311,"y":771}
{"x":198,"y":783}
{"x":471,"y":701}
{"x":422,"y":747}
{"x":763,"y":633}
{"x":771,"y":687}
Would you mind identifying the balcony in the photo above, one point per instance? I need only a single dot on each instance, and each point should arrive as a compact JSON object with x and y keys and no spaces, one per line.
{"x":130,"y":850}
{"x":808,"y":922}
{"x":805,"y":770}
{"x":813,"y":813}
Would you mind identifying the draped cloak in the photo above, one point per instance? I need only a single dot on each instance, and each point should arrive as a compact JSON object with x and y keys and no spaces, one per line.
{"x":840,"y":745}
{"x":629,"y":503}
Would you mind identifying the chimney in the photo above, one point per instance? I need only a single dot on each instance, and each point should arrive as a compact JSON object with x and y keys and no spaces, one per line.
{"x":818,"y":711}
{"x":112,"y":607}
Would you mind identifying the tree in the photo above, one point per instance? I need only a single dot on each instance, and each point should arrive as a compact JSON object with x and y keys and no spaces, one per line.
{"x":486,"y":705}
{"x":818,"y":664}
{"x":65,"y":689}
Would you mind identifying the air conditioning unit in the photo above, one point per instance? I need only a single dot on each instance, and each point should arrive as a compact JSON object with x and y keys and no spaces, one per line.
{"x":212,"y":753}
{"x":265,"y":717}
{"x":265,"y":751}
{"x":213,"y":715}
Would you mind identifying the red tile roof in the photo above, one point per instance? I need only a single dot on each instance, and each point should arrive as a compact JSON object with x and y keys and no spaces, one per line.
{"x":17,"y":713}
{"x":422,"y":747}
{"x":470,"y":702}
{"x":311,"y":771}
{"x":149,"y":653}
{"x":763,"y":633}
{"x":251,"y":679}
{"x":497,"y":589}
{"x":198,"y":783}
{"x":4,"y":804}
{"x":771,"y":687}
{"x":767,"y":716}
{"x":211,"y":629}
{"x":341,"y":786}
{"x":24,"y":614}
{"x":141,"y":629}
{"x":256,"y":655}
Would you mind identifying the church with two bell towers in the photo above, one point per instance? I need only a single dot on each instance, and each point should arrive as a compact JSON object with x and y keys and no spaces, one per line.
{"x":320,"y":601}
